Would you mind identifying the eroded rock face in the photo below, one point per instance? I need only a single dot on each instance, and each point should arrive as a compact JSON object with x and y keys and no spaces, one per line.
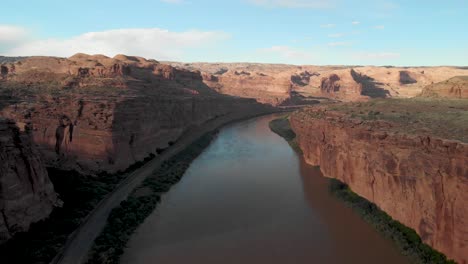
{"x":456,"y":87}
{"x":420,"y":181}
{"x":406,"y":77}
{"x":94,"y":113}
{"x":271,"y":89}
{"x":278,"y":83}
{"x":26,"y":193}
{"x":344,"y":86}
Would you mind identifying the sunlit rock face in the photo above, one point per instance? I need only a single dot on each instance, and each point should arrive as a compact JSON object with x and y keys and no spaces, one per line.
{"x":95,"y":113}
{"x":421,"y":181}
{"x":456,"y":87}
{"x":277,"y":84}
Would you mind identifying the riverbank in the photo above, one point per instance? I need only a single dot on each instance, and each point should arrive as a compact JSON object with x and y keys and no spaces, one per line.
{"x":81,"y":241}
{"x":404,"y":238}
{"x":124,"y":219}
{"x":80,"y":194}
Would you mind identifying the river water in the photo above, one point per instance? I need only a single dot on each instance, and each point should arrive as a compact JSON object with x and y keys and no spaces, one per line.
{"x":249,"y":198}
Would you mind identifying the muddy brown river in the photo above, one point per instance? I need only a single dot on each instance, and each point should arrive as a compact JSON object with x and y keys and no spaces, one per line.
{"x":249,"y":198}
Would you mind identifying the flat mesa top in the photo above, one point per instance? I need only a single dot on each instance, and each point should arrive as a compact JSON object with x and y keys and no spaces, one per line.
{"x":442,"y":118}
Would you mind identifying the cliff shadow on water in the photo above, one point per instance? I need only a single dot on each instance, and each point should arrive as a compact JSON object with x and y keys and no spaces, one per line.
{"x":124,"y":219}
{"x":92,"y":132}
{"x":404,"y":238}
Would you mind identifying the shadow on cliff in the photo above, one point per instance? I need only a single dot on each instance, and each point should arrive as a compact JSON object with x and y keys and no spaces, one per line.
{"x":370,"y":87}
{"x":162,"y":111}
{"x":406,"y":78}
{"x":7,"y":95}
{"x":297,"y":99}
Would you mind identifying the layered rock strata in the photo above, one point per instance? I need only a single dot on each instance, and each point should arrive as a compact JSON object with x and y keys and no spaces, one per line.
{"x":456,"y":87}
{"x":94,"y":113}
{"x":421,"y":181}
{"x":276,"y":84}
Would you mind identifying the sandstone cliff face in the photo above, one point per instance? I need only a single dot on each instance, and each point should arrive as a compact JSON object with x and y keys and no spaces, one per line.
{"x":94,"y":113}
{"x":344,"y":86}
{"x":271,"y":89}
{"x":276,"y":83}
{"x":456,"y":87}
{"x":421,"y":181}
{"x":26,"y":193}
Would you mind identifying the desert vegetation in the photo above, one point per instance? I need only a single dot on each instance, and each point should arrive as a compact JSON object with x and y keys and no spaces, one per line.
{"x":281,"y":127}
{"x":405,"y":238}
{"x":417,"y":115}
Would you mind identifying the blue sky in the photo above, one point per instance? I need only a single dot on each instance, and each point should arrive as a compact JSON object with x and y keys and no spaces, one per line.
{"x":322,"y":32}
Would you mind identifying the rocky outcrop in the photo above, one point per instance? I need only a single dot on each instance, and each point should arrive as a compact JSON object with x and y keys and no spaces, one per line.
{"x":94,"y":113}
{"x":456,"y":87}
{"x":421,"y":181}
{"x":343,"y":86}
{"x":271,"y":89}
{"x":26,"y":193}
{"x":406,"y":77}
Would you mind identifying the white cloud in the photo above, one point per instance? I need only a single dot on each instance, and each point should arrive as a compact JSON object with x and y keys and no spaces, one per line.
{"x":376,"y":56}
{"x":289,"y":53}
{"x":336,"y":35}
{"x":327,"y":25}
{"x":11,"y":34}
{"x":173,"y":1}
{"x":355,"y":22}
{"x":380,"y":27}
{"x":148,"y":42}
{"x":339,"y":43}
{"x":295,"y":3}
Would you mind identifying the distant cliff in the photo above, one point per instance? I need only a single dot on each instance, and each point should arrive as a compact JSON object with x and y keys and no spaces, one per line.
{"x":456,"y":87}
{"x":279,"y":84}
{"x":4,"y":59}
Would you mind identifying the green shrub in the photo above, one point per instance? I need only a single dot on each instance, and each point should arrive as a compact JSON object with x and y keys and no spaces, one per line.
{"x":406,"y":239}
{"x":125,"y":219}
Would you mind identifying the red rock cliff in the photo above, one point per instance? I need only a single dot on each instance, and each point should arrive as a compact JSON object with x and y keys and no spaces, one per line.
{"x":421,"y":181}
{"x":456,"y":87}
{"x":26,"y":193}
{"x":94,"y":113}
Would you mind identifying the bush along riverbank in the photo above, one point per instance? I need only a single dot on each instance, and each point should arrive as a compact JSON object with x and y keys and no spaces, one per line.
{"x":406,"y":239}
{"x":124,"y":220}
{"x":281,"y":127}
{"x":80,"y":195}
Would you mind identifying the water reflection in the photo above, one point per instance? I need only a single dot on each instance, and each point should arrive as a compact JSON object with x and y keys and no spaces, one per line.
{"x":250,"y":199}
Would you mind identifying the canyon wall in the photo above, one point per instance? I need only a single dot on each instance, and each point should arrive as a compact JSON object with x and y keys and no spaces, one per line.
{"x":421,"y":181}
{"x":456,"y":87}
{"x":279,"y":84}
{"x":95,"y":113}
{"x":92,"y":114}
{"x":109,"y":134}
{"x":265,"y":88}
{"x":26,"y":193}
